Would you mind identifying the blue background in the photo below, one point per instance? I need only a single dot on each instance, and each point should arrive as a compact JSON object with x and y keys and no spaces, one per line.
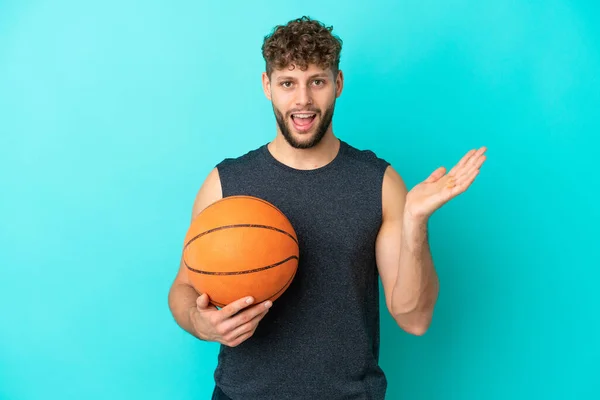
{"x":113,"y":112}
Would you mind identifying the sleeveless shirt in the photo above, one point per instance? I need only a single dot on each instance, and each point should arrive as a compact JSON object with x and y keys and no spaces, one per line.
{"x":320,"y":339}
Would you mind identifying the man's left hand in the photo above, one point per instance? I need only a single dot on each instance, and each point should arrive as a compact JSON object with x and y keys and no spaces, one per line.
{"x":431,"y":194}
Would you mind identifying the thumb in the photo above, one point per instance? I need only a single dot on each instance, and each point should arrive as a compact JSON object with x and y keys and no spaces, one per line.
{"x":202,"y":302}
{"x":435,"y":175}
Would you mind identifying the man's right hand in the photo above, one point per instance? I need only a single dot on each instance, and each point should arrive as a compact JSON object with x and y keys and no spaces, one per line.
{"x":232,"y":324}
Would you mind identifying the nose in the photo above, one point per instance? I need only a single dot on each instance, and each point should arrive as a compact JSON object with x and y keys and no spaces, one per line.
{"x":304,"y":97}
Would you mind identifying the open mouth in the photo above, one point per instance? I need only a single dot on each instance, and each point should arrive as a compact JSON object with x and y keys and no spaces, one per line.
{"x":303,"y":121}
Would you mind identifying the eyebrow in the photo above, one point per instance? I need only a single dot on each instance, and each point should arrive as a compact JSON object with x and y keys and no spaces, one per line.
{"x":319,"y":75}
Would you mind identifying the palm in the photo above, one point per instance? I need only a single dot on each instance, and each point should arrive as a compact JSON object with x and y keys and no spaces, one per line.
{"x":440,"y":187}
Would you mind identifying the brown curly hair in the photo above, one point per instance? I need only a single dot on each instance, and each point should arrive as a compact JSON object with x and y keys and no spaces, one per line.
{"x":301,"y":42}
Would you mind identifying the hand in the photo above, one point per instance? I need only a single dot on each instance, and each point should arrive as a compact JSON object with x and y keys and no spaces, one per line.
{"x":230,"y":325}
{"x":428,"y":196}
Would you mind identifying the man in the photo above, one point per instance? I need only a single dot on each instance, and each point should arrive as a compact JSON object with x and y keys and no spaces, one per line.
{"x":355,"y":222}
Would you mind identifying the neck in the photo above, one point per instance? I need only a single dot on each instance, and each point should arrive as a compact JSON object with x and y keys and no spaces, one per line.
{"x":315,"y":157}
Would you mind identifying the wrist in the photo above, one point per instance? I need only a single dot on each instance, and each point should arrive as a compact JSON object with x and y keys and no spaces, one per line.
{"x":415,"y":212}
{"x":414,"y":230}
{"x":412,"y":221}
{"x":192,"y":311}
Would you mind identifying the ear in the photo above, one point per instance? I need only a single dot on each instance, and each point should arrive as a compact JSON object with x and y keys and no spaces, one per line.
{"x":266,"y":84}
{"x":339,"y":83}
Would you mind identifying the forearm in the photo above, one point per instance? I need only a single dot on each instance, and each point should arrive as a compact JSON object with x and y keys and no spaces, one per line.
{"x":416,"y":288}
{"x":182,"y":303}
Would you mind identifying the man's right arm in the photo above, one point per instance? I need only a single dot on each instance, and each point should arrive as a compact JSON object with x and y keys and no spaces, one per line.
{"x":182,"y":296}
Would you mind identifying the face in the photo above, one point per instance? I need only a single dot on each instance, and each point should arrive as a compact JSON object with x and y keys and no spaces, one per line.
{"x":303,"y":103}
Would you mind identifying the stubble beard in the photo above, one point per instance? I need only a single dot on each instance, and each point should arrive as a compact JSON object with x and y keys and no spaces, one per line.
{"x":295,"y":140}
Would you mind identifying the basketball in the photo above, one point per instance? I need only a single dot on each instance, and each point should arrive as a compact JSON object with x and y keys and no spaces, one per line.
{"x":241,"y":246}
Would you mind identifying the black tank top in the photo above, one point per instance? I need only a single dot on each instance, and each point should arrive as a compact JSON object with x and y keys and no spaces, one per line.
{"x":320,"y":339}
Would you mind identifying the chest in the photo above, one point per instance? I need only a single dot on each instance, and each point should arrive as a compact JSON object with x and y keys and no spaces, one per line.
{"x":334,"y":220}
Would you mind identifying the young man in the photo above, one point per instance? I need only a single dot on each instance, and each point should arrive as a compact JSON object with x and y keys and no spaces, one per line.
{"x":355,"y":222}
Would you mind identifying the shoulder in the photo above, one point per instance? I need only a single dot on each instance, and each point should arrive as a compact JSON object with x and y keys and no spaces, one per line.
{"x":209,"y":192}
{"x":241,"y":160}
{"x":365,"y":157}
{"x":393,"y":187}
{"x":211,"y":188}
{"x":393,"y":194}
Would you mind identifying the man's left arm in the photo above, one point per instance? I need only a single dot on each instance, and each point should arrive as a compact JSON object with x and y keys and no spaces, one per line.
{"x":404,"y":259}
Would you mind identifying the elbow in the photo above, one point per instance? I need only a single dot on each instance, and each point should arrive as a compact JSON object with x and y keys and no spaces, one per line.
{"x":415,"y":318}
{"x":173,"y":295}
{"x":416,"y":329}
{"x":415,"y":322}
{"x":414,"y":315}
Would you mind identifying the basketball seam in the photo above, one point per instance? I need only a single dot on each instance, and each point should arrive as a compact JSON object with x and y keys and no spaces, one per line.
{"x":249,"y":271}
{"x":220,"y":228}
{"x":245,"y":197}
{"x":287,"y":284}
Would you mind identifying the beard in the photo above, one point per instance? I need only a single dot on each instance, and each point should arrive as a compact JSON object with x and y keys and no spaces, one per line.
{"x":314,"y":137}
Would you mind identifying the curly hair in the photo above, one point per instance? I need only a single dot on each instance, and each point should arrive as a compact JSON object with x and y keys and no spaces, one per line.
{"x":301,"y":42}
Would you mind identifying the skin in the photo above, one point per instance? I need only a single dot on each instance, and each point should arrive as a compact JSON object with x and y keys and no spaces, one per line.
{"x":404,"y":260}
{"x":230,"y":325}
{"x":314,"y":90}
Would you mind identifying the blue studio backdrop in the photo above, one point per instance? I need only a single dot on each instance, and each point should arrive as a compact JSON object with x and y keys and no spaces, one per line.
{"x":113,"y":112}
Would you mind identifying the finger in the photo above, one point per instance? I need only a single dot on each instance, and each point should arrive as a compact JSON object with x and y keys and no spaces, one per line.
{"x":466,"y":181}
{"x":245,"y":316}
{"x":435,"y":175}
{"x":235,"y":307}
{"x":462,"y":162}
{"x":469,"y":168}
{"x":203,"y":303}
{"x":475,"y":158}
{"x":239,"y":340}
{"x":249,"y":326}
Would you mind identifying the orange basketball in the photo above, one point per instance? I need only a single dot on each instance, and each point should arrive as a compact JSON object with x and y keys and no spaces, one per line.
{"x":241,"y":246}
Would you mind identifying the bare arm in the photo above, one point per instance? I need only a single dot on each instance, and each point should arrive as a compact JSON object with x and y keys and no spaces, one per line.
{"x":417,"y":285}
{"x":182,"y":296}
{"x":231,"y":325}
{"x":404,"y":261}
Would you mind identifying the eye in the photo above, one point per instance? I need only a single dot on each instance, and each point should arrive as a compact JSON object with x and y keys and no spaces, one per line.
{"x":319,"y":82}
{"x":286,"y":84}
